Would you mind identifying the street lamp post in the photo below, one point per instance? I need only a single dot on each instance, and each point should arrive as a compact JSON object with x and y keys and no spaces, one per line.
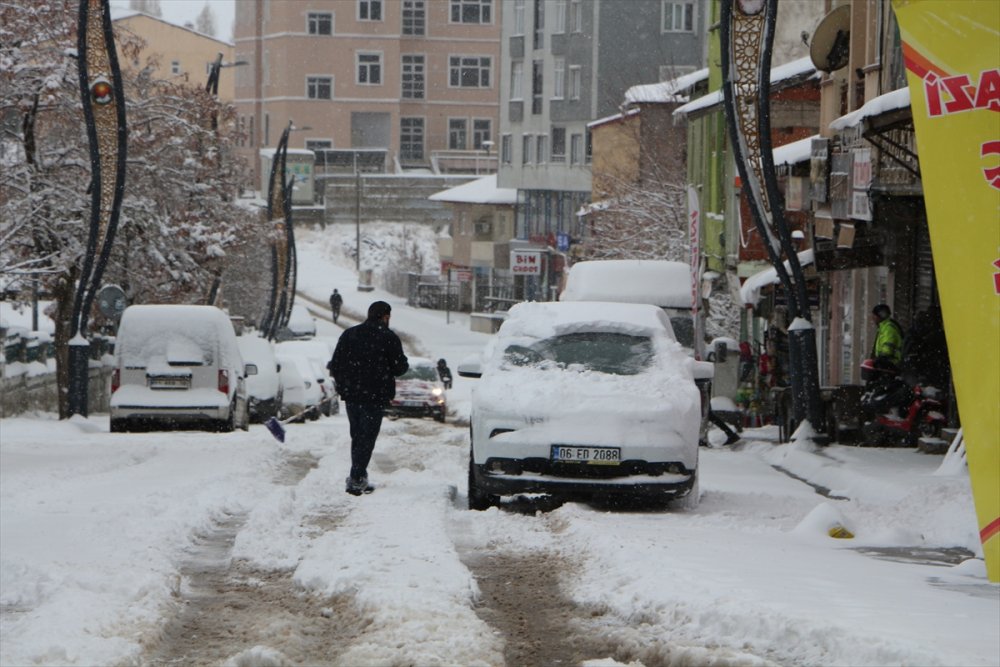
{"x":103,"y":100}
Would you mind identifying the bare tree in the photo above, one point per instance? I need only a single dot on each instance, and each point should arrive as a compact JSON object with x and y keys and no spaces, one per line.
{"x":151,"y":7}
{"x":205,"y":23}
{"x":178,"y":216}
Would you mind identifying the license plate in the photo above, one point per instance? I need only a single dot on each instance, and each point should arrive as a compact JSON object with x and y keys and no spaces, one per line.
{"x":409,"y":404}
{"x":609,"y":456}
{"x":168,"y":383}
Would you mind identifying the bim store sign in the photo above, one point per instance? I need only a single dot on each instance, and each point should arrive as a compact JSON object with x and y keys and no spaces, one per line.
{"x":526,"y":262}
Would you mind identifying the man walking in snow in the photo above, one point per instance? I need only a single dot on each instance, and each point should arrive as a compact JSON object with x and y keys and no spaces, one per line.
{"x":365,"y":364}
{"x":336,"y":301}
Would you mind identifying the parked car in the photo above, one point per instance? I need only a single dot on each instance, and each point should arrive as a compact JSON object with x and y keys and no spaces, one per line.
{"x":293,"y":399}
{"x":318,"y":351}
{"x":178,"y":366}
{"x":306,"y":393}
{"x":264,"y":389}
{"x":300,"y":325}
{"x":420,"y":392}
{"x":585,"y":400}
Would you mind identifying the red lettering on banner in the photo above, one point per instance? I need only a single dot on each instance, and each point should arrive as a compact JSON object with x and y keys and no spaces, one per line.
{"x":992,"y":173}
{"x":996,"y":278}
{"x":964,"y":96}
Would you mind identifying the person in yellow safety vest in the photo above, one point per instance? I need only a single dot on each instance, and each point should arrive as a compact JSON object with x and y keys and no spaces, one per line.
{"x":888,"y":347}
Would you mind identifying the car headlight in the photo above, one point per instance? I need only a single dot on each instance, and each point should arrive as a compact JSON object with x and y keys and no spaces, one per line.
{"x":437,"y":391}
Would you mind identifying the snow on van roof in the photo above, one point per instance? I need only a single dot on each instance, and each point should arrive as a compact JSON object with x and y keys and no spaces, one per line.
{"x":652,"y":281}
{"x":149,"y":331}
{"x":544,"y":319}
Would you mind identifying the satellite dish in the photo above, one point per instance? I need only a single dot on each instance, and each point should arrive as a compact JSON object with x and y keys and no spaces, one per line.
{"x":831,"y":40}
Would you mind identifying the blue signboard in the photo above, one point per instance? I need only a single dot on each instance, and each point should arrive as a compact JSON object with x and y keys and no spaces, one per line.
{"x":562,"y":241}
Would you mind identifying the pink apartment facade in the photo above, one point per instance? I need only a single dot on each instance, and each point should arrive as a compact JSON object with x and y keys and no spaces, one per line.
{"x":417,"y":79}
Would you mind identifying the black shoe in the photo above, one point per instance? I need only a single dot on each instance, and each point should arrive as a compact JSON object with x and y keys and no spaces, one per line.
{"x":733,"y":439}
{"x":357,"y":487}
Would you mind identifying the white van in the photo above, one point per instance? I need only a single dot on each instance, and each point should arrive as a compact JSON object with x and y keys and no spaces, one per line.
{"x":178,"y":366}
{"x":656,"y":282}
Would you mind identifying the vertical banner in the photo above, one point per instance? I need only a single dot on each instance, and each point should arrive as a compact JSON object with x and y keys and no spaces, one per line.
{"x":952,"y":55}
{"x":694,"y":239}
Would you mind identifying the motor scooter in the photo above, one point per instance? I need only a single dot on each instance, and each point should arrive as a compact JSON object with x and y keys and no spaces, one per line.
{"x":895,"y":412}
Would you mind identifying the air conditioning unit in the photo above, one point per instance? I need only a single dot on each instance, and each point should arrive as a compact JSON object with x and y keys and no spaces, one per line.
{"x":483,"y":228}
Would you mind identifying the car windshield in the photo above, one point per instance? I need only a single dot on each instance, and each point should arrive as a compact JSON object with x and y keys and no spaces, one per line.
{"x":426,"y":373}
{"x":603,"y":352}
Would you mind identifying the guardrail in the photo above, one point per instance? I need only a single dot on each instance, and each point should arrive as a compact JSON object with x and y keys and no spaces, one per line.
{"x":40,"y":393}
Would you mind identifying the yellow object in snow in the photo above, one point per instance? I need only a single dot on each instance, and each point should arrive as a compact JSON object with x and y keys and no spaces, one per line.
{"x":841,"y":533}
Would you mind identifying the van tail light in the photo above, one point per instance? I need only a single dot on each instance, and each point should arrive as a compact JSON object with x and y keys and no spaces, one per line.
{"x":224,"y":381}
{"x":116,"y":380}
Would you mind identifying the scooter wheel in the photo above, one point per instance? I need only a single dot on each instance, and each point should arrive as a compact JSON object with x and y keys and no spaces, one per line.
{"x":872,"y":435}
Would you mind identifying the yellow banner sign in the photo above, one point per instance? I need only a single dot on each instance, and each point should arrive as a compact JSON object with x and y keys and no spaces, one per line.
{"x":952,"y":54}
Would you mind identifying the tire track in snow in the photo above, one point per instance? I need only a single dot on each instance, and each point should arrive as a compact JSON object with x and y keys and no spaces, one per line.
{"x":229,"y":611}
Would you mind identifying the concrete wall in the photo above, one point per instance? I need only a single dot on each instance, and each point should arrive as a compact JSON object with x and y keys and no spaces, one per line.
{"x":40,"y":393}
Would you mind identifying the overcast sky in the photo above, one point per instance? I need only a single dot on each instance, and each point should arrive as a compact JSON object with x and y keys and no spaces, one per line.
{"x":186,"y":11}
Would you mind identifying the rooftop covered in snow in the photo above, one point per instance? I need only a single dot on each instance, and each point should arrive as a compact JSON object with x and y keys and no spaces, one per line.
{"x":782,"y":74}
{"x":673,"y":90}
{"x":480,"y":191}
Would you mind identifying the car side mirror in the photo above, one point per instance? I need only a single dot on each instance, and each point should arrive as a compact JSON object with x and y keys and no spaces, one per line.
{"x":250,"y":369}
{"x":470,"y":369}
{"x":703,"y":370}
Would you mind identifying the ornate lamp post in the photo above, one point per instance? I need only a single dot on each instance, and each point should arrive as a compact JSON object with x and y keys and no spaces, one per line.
{"x":283,"y":258}
{"x":747,"y":41}
{"x":104,"y":114}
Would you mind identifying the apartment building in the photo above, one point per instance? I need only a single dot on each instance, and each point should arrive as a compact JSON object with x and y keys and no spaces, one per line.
{"x":411,"y":82}
{"x":184,"y":54}
{"x":567,"y":63}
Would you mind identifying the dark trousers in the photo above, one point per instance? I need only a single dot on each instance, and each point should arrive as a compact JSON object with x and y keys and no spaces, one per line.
{"x":366,"y":421}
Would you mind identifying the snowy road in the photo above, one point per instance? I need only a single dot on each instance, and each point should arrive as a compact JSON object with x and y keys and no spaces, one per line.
{"x":199,"y":549}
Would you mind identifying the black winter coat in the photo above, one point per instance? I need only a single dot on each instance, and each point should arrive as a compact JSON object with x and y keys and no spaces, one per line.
{"x":366,"y":362}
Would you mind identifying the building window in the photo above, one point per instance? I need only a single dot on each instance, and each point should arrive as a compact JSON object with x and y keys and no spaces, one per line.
{"x":560,"y":18}
{"x":411,"y":138}
{"x":558,"y":152}
{"x":469,"y":72}
{"x":320,"y":23}
{"x":588,"y":153}
{"x":526,"y":149}
{"x":518,"y":17}
{"x":482,"y":130}
{"x":413,"y":77}
{"x":678,"y":16}
{"x":536,"y":87}
{"x":457,"y":133}
{"x":175,"y":66}
{"x":575,"y":82}
{"x":267,"y":130}
{"x":319,"y":87}
{"x":472,"y":11}
{"x":319,"y":144}
{"x":575,"y":16}
{"x":576,"y":149}
{"x":414,"y":17}
{"x":539,"y":16}
{"x":516,"y":76}
{"x":370,"y":69}
{"x":370,"y":10}
{"x":253,"y":139}
{"x":540,"y":142}
{"x":558,"y":78}
{"x":506,"y":149}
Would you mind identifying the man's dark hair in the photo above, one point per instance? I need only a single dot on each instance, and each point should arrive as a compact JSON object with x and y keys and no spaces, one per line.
{"x":378,"y":310}
{"x":882,"y":311}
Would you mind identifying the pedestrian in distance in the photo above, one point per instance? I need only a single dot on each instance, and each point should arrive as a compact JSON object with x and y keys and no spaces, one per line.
{"x":887,"y":351}
{"x":444,"y":373}
{"x":336,"y":301}
{"x":365,"y":364}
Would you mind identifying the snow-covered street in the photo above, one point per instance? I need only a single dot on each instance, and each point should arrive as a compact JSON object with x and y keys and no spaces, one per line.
{"x":198,"y":548}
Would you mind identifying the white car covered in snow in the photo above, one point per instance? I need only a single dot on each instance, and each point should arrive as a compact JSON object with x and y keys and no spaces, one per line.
{"x":585,"y":400}
{"x":178,"y":365}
